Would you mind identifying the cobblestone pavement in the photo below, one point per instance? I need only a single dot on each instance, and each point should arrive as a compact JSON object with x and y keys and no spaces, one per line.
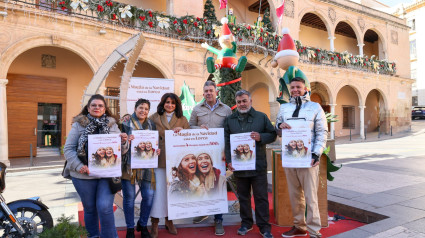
{"x":386,"y":177}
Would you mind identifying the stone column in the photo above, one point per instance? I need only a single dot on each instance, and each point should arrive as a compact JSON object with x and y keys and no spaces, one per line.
{"x":274,"y":110}
{"x":362,"y":121}
{"x":331,"y":41}
{"x":4,"y":149}
{"x":360,"y":45}
{"x":332,"y":129}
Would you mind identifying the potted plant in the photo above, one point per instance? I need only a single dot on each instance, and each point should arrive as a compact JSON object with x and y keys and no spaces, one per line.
{"x":64,"y":229}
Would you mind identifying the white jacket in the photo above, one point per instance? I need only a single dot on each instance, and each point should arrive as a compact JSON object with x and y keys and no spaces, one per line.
{"x":314,"y":115}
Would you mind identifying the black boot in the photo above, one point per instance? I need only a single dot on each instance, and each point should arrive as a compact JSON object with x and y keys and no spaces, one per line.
{"x":145,"y":232}
{"x":130,"y":233}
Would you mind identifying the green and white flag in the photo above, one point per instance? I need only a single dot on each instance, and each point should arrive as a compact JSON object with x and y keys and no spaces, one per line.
{"x":188,"y":101}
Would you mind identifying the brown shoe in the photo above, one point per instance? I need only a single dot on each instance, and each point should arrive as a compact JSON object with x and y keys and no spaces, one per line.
{"x":169,"y":226}
{"x":294,"y":232}
{"x":154,"y":229}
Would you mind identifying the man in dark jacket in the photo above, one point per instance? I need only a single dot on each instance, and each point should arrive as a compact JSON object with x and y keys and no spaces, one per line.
{"x":246,"y":119}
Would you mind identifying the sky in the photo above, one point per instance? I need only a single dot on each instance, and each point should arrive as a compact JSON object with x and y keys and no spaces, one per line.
{"x":392,"y":3}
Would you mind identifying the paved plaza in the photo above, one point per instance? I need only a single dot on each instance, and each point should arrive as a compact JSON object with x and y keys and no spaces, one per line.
{"x":383,"y":176}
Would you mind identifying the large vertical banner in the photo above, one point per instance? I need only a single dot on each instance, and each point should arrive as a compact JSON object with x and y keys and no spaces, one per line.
{"x":147,"y":88}
{"x":104,"y":155}
{"x":195,"y":173}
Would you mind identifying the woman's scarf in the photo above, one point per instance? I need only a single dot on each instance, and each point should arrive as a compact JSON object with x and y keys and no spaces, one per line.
{"x":138,"y":173}
{"x":100,"y":123}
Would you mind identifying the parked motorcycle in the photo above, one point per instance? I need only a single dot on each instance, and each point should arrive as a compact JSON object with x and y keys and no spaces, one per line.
{"x":22,"y":218}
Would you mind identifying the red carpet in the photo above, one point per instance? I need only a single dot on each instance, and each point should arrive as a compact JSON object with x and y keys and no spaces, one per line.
{"x":231,"y":231}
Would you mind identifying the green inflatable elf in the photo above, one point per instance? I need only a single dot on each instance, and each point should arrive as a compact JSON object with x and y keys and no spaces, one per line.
{"x":226,"y":57}
{"x":287,"y":59}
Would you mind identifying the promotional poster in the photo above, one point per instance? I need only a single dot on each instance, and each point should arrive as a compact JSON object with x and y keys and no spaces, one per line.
{"x":196,"y":173}
{"x":148,"y":88}
{"x":104,"y":155}
{"x":144,"y":149}
{"x":296,"y":145}
{"x":242,"y":147}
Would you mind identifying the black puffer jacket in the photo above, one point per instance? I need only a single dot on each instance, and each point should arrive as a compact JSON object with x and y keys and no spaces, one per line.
{"x":258,"y":122}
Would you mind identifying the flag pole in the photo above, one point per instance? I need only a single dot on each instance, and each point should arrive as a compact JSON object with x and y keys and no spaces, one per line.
{"x":227,"y":8}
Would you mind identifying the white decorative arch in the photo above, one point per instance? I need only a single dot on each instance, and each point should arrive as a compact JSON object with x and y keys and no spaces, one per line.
{"x":103,"y":71}
{"x":11,"y":53}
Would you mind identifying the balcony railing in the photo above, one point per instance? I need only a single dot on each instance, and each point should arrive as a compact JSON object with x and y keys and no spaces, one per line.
{"x":250,"y":38}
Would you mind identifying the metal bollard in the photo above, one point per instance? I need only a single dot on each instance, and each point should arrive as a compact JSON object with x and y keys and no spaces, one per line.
{"x":379,"y":132}
{"x":365,"y":134}
{"x":31,"y":162}
{"x":350,"y":134}
{"x":391,"y":127}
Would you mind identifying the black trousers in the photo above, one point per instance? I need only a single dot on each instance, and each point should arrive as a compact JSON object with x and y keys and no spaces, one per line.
{"x":259,"y":189}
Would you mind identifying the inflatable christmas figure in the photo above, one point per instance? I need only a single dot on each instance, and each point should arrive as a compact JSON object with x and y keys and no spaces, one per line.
{"x":226,"y":57}
{"x":231,"y":17}
{"x":287,"y":58}
{"x":226,"y":70}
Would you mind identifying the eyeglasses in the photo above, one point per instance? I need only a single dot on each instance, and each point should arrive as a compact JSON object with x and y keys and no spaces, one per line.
{"x":98,"y":105}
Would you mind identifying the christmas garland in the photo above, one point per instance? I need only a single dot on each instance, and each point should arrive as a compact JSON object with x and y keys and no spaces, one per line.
{"x":250,"y":38}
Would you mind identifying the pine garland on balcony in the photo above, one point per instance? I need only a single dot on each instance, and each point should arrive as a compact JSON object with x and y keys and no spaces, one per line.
{"x":249,"y":37}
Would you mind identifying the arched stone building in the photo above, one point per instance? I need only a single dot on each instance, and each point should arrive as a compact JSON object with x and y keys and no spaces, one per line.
{"x":48,"y":58}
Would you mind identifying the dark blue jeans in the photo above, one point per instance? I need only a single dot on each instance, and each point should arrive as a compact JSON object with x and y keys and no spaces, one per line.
{"x":129,"y":194}
{"x":98,"y":202}
{"x":218,"y":217}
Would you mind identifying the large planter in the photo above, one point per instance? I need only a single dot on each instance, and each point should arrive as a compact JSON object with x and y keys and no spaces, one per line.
{"x":281,"y":202}
{"x":332,"y":152}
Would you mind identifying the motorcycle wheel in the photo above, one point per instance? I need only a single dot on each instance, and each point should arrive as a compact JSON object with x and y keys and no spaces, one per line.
{"x":33,"y":221}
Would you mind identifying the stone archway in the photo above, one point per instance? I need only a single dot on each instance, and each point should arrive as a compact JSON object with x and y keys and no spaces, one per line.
{"x":374,"y":44}
{"x":44,"y":83}
{"x":314,"y":24}
{"x":347,"y":37}
{"x":257,"y":81}
{"x":321,"y":95}
{"x":348,"y":111}
{"x":9,"y":55}
{"x":376,"y":112}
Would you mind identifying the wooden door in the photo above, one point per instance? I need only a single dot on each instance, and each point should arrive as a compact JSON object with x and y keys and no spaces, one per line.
{"x":23,"y":93}
{"x":22,"y":123}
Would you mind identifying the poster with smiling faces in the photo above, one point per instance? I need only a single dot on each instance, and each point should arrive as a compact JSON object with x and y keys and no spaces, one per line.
{"x":196,"y":171}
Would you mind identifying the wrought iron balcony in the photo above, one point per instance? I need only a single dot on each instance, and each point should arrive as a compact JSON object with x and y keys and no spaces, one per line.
{"x":250,"y":38}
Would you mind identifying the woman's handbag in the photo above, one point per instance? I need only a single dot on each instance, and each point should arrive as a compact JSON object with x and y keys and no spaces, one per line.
{"x":83,"y":154}
{"x":115,"y":184}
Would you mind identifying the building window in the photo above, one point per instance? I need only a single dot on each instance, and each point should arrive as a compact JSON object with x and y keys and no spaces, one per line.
{"x":412,"y":24}
{"x":414,"y":100}
{"x":348,"y":116}
{"x":113,"y":104}
{"x":413,"y":74}
{"x":413,"y":49}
